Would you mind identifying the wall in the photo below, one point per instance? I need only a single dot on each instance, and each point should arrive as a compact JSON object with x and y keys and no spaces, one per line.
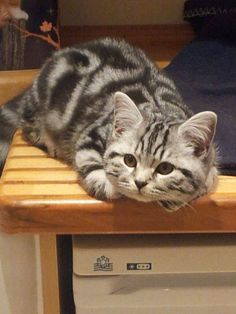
{"x":116,"y":12}
{"x":20,"y":291}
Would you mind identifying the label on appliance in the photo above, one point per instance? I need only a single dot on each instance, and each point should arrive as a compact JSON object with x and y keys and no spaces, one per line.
{"x":103,"y":264}
{"x":139,"y":266}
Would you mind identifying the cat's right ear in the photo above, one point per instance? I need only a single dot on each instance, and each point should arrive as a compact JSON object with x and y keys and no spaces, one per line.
{"x":126,"y":114}
{"x":199,"y":131}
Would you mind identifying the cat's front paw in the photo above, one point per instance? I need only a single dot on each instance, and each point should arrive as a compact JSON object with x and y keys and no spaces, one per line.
{"x":110,"y":191}
{"x":97,"y":185}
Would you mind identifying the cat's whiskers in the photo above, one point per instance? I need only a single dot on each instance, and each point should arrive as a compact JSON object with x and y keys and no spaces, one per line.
{"x":185,"y":204}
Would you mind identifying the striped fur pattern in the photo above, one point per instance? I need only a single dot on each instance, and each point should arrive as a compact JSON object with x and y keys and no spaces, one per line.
{"x":105,"y":109}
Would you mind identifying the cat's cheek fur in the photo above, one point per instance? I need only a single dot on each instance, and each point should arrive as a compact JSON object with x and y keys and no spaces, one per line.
{"x":212,"y":180}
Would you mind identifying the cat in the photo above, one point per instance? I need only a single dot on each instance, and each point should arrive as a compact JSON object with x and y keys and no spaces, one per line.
{"x":105,"y":109}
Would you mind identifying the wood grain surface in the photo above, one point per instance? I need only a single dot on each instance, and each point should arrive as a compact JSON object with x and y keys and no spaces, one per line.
{"x":14,"y":82}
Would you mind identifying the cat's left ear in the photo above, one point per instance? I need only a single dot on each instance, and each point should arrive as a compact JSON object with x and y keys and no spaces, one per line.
{"x":199,"y":131}
{"x":126,"y":114}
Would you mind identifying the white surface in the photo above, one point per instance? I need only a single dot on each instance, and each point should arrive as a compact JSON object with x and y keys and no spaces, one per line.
{"x":162,"y":294}
{"x":39,"y":285}
{"x":165,"y":253}
{"x":18,"y":291}
{"x":190,"y":274}
{"x":4,"y":304}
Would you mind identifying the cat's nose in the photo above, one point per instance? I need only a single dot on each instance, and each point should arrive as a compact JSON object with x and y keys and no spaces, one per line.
{"x":140,"y":184}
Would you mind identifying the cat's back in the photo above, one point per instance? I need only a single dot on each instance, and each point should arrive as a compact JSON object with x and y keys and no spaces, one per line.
{"x":115,"y":52}
{"x":94,"y":55}
{"x":103,"y":60}
{"x":74,"y":92}
{"x":88,"y":74}
{"x":76,"y":86}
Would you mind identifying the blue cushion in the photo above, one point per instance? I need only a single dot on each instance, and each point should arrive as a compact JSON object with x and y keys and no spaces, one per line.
{"x":205,"y":74}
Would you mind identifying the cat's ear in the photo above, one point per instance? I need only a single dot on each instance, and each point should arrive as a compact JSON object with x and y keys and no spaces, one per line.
{"x":126,"y":114}
{"x":199,"y":131}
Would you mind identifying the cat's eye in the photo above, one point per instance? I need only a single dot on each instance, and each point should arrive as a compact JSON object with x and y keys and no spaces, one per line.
{"x":130,"y":160}
{"x":165,"y":168}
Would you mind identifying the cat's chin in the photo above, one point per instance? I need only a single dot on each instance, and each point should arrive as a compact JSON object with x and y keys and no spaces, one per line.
{"x":175,"y":206}
{"x":142,"y":198}
{"x":139,"y":197}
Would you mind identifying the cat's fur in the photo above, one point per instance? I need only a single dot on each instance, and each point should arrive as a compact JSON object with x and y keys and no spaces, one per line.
{"x":96,"y":104}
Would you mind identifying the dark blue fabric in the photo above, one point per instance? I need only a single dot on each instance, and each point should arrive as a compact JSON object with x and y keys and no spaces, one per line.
{"x":205,"y":74}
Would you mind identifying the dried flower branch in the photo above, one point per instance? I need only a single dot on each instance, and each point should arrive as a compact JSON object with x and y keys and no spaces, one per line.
{"x":46,"y":27}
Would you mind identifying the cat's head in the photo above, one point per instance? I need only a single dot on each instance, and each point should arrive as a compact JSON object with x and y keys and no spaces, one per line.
{"x":152,"y":159}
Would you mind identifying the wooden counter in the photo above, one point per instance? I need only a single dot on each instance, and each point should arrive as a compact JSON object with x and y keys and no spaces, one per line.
{"x":39,"y":194}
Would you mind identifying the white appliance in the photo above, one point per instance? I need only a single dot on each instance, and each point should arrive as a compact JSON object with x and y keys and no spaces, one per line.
{"x":155,"y":274}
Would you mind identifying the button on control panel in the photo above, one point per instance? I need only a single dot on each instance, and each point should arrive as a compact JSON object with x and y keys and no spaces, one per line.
{"x":139,"y":266}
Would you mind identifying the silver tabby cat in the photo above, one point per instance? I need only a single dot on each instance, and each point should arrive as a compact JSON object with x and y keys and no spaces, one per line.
{"x":104,"y":108}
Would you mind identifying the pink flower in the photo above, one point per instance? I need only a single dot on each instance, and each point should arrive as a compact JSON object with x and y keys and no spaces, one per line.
{"x":46,"y":27}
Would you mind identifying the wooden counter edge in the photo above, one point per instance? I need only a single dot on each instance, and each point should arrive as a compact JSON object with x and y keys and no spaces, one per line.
{"x":86,"y":216}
